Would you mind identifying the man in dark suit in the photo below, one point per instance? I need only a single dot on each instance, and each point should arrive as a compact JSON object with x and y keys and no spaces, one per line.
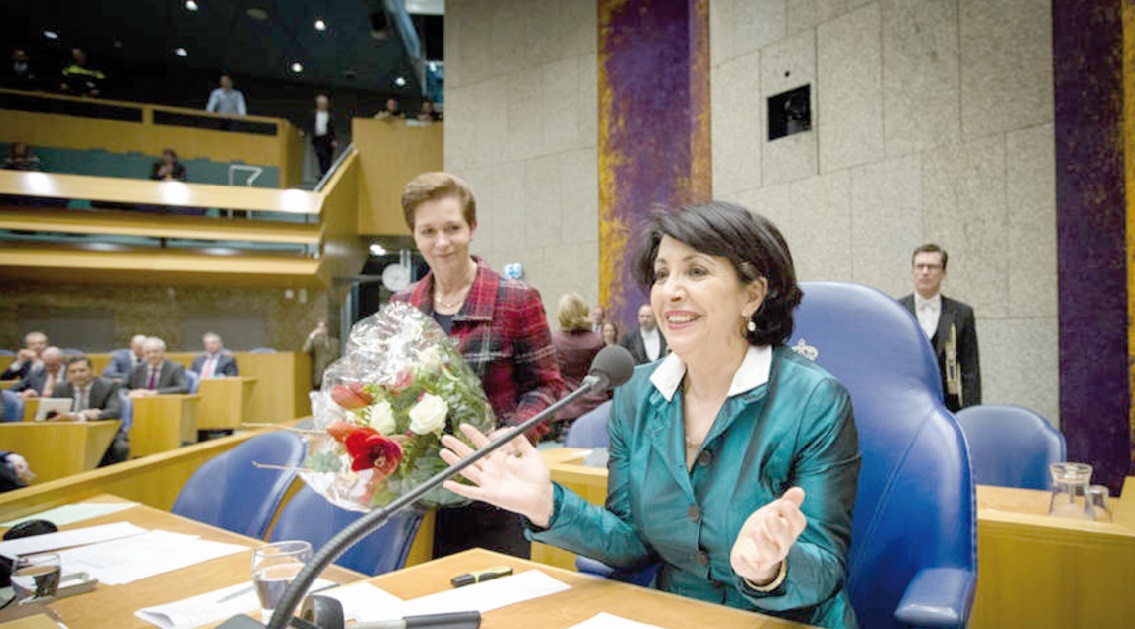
{"x":27,"y":359}
{"x":215,"y":362}
{"x":123,"y":361}
{"x":646,"y":344}
{"x":321,"y":127}
{"x":157,"y":375}
{"x":42,"y":380}
{"x":93,"y":399}
{"x":949,"y":324}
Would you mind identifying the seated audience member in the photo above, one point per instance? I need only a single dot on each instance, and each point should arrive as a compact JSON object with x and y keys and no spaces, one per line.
{"x":42,"y":380}
{"x":79,"y":79}
{"x":226,"y":99}
{"x":168,"y":168}
{"x":215,"y":362}
{"x":391,"y":111}
{"x":324,"y":349}
{"x":123,"y":361}
{"x":92,"y":399}
{"x":611,"y":333}
{"x":14,"y":471}
{"x":427,"y":113}
{"x":27,"y":358}
{"x":19,"y":74}
{"x":156,"y":376}
{"x":22,"y":158}
{"x":577,"y":346}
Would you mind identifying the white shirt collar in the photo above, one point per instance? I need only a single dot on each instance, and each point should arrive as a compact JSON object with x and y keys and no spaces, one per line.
{"x":934,"y":302}
{"x":752,"y":373}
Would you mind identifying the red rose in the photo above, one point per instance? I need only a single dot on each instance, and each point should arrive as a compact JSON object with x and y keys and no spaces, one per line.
{"x":369,"y":449}
{"x":340,"y":430}
{"x":351,"y":396}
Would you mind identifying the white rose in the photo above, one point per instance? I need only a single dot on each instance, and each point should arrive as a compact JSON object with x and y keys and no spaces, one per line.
{"x":428,"y":415}
{"x":382,"y":418}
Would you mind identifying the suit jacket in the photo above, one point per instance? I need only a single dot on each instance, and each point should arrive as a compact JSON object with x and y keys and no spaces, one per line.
{"x":794,"y":429}
{"x":960,"y":316}
{"x":36,"y":379}
{"x":120,"y":364}
{"x":330,"y":135}
{"x":633,"y":343}
{"x":226,"y":365}
{"x":17,"y":371}
{"x":103,"y":396}
{"x":171,"y":378}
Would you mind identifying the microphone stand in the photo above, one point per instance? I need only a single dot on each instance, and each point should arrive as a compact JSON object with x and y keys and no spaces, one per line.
{"x":370,"y":522}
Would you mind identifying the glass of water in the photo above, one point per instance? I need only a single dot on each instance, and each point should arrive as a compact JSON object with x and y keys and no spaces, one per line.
{"x":1070,"y":483}
{"x":35,"y":578}
{"x":274,"y":566}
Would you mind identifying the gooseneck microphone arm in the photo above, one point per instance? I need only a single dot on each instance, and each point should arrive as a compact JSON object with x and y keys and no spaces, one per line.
{"x":612,"y":367}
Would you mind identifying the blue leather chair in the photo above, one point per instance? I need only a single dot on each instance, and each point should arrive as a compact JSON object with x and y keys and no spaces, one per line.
{"x":7,"y":352}
{"x":194,"y":380}
{"x":230,"y":492}
{"x":1010,"y":446}
{"x":308,"y":516}
{"x":13,"y":406}
{"x":590,"y":429}
{"x":262,"y":350}
{"x":71,"y":351}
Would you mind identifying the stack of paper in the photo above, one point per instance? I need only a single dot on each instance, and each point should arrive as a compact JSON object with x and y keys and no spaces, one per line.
{"x":209,"y":607}
{"x":70,"y":514}
{"x":604,"y":620}
{"x":141,"y":556}
{"x":66,"y":539}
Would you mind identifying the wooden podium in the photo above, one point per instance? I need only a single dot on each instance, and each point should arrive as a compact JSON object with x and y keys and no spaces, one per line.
{"x":163,"y":422}
{"x":58,"y":449}
{"x":225,"y":402}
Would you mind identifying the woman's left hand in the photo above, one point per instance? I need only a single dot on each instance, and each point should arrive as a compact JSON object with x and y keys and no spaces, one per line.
{"x":766,"y":536}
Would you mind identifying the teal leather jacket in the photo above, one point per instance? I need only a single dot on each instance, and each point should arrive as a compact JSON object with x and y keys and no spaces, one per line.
{"x":793,"y":427}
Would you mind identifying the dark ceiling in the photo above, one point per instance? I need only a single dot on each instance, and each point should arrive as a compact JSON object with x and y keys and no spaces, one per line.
{"x":221,"y":34}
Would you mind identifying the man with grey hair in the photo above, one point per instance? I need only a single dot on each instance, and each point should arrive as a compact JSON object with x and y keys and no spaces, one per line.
{"x":27,"y":360}
{"x":156,"y":376}
{"x":123,"y":361}
{"x":216,"y":362}
{"x":41,"y":381}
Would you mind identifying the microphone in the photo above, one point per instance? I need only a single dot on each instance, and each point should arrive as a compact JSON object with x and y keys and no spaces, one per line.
{"x":612,"y":367}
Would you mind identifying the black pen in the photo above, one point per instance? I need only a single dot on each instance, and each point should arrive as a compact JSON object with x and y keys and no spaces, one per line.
{"x":455,"y":620}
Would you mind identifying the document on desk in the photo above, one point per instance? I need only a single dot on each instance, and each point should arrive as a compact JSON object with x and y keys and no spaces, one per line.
{"x":67,"y":539}
{"x":70,"y":514}
{"x":481,"y":597}
{"x":142,"y":556}
{"x":603,"y":620}
{"x":357,"y":598}
{"x":210,"y":607}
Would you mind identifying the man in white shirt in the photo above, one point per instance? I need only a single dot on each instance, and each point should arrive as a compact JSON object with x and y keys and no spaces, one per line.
{"x":226,"y":99}
{"x":215,"y":362}
{"x":156,"y":376}
{"x":949,"y":325}
{"x":646,"y":343}
{"x":94,"y":399}
{"x":322,"y":130}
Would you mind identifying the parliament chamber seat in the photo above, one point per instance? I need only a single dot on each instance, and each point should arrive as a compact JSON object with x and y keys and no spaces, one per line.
{"x":590,"y":429}
{"x":13,"y":406}
{"x":1010,"y":446}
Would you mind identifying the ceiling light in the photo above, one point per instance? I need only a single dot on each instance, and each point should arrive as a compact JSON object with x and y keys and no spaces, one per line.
{"x":190,"y":5}
{"x":433,"y":66}
{"x":399,"y":81}
{"x":180,"y":52}
{"x":377,"y":250}
{"x":51,"y":34}
{"x":257,"y":14}
{"x":320,"y":25}
{"x":297,"y":67}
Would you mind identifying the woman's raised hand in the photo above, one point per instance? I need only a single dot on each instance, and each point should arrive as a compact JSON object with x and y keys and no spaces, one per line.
{"x":766,"y":536}
{"x":513,"y":478}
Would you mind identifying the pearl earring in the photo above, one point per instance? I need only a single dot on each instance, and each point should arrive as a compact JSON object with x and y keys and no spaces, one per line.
{"x":751,"y":325}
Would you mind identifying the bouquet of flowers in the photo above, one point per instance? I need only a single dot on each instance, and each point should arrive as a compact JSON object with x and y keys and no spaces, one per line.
{"x":383,"y":408}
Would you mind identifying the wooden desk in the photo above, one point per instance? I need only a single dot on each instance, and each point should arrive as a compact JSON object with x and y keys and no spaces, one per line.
{"x":163,"y":422}
{"x":4,"y":384}
{"x":31,"y":405}
{"x":225,"y":402}
{"x":58,"y":449}
{"x":587,"y":597}
{"x":113,"y":606}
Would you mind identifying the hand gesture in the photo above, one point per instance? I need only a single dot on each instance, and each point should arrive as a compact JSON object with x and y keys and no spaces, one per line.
{"x":766,"y":536}
{"x":513,"y":478}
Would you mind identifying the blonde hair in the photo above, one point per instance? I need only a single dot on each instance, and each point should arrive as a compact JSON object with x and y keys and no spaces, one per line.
{"x":573,"y":313}
{"x":434,"y":186}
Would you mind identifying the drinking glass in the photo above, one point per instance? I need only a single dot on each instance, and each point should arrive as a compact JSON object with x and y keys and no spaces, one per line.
{"x":274,"y":566}
{"x":35,"y":578}
{"x":1098,"y":498}
{"x":1070,"y":491}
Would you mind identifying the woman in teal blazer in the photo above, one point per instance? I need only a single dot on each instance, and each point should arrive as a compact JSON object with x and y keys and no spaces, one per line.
{"x":733,"y":461}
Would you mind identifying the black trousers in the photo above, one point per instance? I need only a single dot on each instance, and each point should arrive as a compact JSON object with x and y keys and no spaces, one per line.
{"x":478,"y":525}
{"x":323,"y":153}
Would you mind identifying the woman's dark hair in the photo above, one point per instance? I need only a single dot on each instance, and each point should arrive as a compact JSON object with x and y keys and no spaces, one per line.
{"x":751,"y":243}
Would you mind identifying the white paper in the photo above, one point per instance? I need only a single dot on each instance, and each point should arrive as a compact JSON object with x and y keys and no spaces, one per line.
{"x":142,"y":556}
{"x":480,"y":597}
{"x":70,"y":514}
{"x":209,"y":607}
{"x":603,"y":620}
{"x":66,"y":539}
{"x":360,"y":596}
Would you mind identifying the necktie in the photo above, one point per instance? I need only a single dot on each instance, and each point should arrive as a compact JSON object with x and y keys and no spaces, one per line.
{"x":210,"y":364}
{"x":48,"y":384}
{"x":153,"y":377}
{"x":81,"y":398}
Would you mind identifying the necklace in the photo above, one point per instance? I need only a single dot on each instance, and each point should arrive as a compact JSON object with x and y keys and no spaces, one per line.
{"x":693,"y":445}
{"x":466,"y":282}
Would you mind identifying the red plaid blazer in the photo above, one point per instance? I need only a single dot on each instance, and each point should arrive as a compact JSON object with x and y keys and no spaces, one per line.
{"x":503,"y":333}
